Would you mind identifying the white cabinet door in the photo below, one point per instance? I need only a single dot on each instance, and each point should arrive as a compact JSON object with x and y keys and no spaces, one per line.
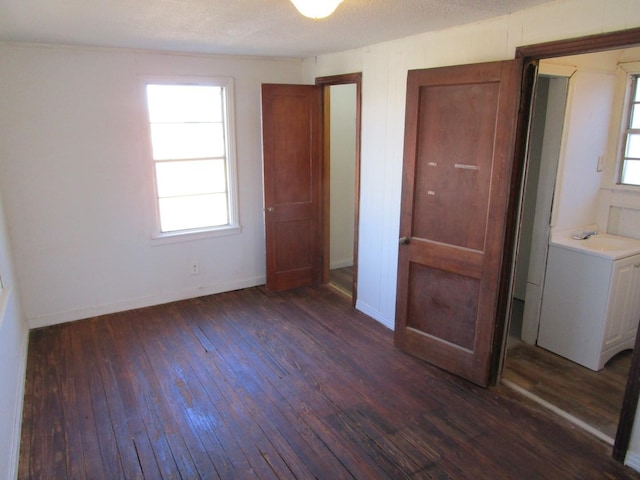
{"x":619,"y":309}
{"x":623,"y":311}
{"x":633,"y":318}
{"x":591,"y":306}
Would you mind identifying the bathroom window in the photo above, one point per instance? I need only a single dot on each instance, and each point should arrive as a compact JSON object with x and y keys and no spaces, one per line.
{"x":192,"y":150}
{"x":630,"y":148}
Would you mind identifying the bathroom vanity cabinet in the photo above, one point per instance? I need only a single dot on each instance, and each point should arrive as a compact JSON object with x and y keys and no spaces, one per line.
{"x":591,"y":301}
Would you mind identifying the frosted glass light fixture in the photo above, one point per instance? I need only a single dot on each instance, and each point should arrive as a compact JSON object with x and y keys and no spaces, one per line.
{"x":316,"y":8}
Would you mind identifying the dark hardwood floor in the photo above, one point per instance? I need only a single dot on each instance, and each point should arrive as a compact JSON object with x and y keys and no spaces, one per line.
{"x":593,"y":397}
{"x":251,"y":384}
{"x":342,"y":278}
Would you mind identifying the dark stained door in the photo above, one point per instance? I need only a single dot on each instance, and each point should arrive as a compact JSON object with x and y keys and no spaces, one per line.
{"x":292,"y":162}
{"x":459,"y":136}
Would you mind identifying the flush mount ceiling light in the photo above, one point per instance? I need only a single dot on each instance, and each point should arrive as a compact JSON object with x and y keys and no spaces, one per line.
{"x":316,"y":8}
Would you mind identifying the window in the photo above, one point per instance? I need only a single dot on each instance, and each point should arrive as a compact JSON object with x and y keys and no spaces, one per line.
{"x":630,"y":151}
{"x":191,"y":142}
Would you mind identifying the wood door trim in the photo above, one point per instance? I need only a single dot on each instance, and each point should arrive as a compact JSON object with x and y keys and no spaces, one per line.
{"x":324,"y":82}
{"x":520,"y":148}
{"x":560,"y":48}
{"x":629,"y":406}
{"x":581,"y":45}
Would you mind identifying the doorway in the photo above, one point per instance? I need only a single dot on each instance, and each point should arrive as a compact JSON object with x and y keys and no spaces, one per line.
{"x":341,"y":111}
{"x":592,"y":400}
{"x":296,"y":123}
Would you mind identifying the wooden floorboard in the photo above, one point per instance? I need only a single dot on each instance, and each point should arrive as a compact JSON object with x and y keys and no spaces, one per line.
{"x":253,"y":384}
{"x":593,"y":397}
{"x":342,"y":278}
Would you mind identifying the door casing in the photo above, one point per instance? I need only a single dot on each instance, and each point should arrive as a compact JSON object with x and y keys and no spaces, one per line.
{"x":531,"y":54}
{"x":326,"y":83}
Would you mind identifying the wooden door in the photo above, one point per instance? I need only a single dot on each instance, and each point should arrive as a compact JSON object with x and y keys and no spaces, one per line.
{"x":292,"y":162}
{"x":459,"y":137}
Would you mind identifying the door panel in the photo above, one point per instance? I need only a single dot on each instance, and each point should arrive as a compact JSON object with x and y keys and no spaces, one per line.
{"x":459,"y":135}
{"x":292,"y":148}
{"x":456,"y":214}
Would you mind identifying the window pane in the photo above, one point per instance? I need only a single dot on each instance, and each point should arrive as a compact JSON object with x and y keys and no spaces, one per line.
{"x":637,"y":95}
{"x":184,"y":103}
{"x":201,"y":211}
{"x":631,"y":172}
{"x":635,"y":116}
{"x":191,"y":177}
{"x":633,"y":146}
{"x":187,"y":140}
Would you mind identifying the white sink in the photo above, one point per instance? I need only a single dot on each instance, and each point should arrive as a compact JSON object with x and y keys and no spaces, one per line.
{"x":607,"y":243}
{"x":602,"y":244}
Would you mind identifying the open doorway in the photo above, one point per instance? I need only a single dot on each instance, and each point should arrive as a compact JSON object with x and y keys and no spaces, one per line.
{"x":566,"y":187}
{"x":342,"y":173}
{"x":342,"y":184}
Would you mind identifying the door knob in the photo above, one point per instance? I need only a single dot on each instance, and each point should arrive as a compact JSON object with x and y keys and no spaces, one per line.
{"x":269,"y":209}
{"x":405,"y":240}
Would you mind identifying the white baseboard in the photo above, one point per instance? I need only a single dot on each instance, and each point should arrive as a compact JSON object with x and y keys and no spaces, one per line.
{"x":633,"y":460}
{"x":94,"y":311}
{"x":341,"y":263}
{"x":375,"y":314}
{"x":558,"y":411}
{"x":14,"y":456}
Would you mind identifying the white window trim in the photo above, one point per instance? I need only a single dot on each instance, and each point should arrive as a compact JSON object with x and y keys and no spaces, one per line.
{"x":620,"y":115}
{"x":233,"y":227}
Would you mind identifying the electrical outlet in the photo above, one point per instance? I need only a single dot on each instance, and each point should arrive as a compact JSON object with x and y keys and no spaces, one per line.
{"x":195,"y":268}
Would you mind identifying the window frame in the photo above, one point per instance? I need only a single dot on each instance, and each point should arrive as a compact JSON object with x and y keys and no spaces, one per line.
{"x":233,"y":226}
{"x":628,"y":71}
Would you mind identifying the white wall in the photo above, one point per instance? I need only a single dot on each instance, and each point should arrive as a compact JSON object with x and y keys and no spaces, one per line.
{"x":598,"y":80}
{"x":536,"y":142}
{"x":343,"y":174}
{"x":620,"y":206}
{"x":384,"y":71}
{"x":633,"y":454}
{"x":384,"y":68}
{"x":78,"y":184}
{"x":586,"y":135}
{"x":13,"y":351}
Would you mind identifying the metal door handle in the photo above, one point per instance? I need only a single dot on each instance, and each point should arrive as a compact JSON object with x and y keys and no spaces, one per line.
{"x":405,"y":240}
{"x":270,"y":209}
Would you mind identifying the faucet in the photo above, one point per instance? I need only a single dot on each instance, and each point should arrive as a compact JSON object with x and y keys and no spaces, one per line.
{"x":584,"y":234}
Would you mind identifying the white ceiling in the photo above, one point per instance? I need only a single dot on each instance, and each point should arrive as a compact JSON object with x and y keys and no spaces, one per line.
{"x":253,"y":27}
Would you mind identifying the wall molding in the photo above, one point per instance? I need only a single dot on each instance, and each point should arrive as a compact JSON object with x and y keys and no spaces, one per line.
{"x":16,"y":434}
{"x":132,"y":304}
{"x":375,"y":314}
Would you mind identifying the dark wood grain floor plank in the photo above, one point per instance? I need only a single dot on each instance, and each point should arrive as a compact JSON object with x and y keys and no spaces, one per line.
{"x":259,"y":385}
{"x":217,"y":404}
{"x":258,"y":397}
{"x":159,"y":440}
{"x":118,"y":399}
{"x":342,"y":277}
{"x":110,"y":460}
{"x":593,"y":397}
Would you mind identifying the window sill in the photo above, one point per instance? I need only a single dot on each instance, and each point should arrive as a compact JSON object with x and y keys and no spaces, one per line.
{"x":622,"y":188}
{"x":191,"y":235}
